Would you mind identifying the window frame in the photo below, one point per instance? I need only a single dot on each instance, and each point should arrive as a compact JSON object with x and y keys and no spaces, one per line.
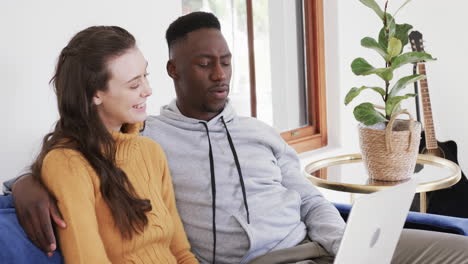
{"x":314,"y":135}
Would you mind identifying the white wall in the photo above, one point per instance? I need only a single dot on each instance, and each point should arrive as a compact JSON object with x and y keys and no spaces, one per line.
{"x":443,"y":24}
{"x":32,"y":35}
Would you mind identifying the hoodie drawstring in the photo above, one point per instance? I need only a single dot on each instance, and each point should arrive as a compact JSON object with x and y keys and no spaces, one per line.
{"x":213,"y":181}
{"x":213,"y":192}
{"x":239,"y":171}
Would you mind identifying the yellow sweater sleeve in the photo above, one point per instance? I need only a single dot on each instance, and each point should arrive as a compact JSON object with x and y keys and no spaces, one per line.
{"x":180,"y":246}
{"x":66,"y":175}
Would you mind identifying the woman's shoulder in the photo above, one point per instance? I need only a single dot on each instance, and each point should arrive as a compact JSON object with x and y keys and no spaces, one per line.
{"x":65,"y":163}
{"x":65,"y":172}
{"x":147,"y":143}
{"x":65,"y":159}
{"x":59,"y":155}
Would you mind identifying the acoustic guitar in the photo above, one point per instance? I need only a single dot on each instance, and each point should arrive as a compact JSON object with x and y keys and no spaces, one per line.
{"x":452,"y":201}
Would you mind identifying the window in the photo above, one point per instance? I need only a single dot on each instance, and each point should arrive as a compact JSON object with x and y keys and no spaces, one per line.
{"x":278,"y":64}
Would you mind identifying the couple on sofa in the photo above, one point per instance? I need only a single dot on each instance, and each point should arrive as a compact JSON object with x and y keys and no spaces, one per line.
{"x":240,"y":196}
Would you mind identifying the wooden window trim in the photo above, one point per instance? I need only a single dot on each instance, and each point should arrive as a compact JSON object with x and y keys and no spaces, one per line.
{"x":314,"y":135}
{"x":250,"y":38}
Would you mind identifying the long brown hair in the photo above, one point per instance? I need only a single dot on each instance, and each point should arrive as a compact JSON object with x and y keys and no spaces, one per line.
{"x":80,"y":72}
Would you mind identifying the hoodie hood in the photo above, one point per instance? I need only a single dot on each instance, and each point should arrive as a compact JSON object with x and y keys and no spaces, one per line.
{"x":173,"y":116}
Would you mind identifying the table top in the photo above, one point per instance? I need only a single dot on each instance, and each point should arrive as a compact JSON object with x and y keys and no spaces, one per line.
{"x":347,"y":173}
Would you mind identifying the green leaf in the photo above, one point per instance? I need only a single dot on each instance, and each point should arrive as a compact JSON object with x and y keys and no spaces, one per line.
{"x":371,"y":43}
{"x":394,"y":48}
{"x":386,"y":33}
{"x":379,"y":90}
{"x":391,"y":26}
{"x":402,"y":33}
{"x":394,"y":102}
{"x":356,"y":91}
{"x":385,"y":73}
{"x":368,"y":115}
{"x":410,"y":57}
{"x":360,"y":66}
{"x":374,"y":6}
{"x":396,"y":109}
{"x":403,"y":82}
{"x":383,"y":42}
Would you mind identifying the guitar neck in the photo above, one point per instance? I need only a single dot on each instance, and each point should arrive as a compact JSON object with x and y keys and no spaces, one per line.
{"x":431,"y":141}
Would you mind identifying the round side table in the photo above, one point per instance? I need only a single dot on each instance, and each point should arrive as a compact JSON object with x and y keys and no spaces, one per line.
{"x":347,"y":173}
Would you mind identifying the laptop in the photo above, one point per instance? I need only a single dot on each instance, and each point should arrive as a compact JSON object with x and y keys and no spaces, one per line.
{"x":374,"y":225}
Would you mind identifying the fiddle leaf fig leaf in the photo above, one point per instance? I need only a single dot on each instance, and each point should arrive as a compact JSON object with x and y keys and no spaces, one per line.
{"x":374,"y":6}
{"x":403,"y":82}
{"x":356,"y":91}
{"x":394,"y":48}
{"x":379,"y":90}
{"x":396,"y":109}
{"x":371,"y":43}
{"x":383,"y":39}
{"x":394,"y":102}
{"x":402,"y":33}
{"x":391,"y":26}
{"x":410,"y":57}
{"x":360,"y":66}
{"x":387,"y":32}
{"x":385,"y":73}
{"x":368,"y":115}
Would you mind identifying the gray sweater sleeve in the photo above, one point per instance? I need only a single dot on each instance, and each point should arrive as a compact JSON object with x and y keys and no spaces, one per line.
{"x":323,"y":221}
{"x":8,"y":185}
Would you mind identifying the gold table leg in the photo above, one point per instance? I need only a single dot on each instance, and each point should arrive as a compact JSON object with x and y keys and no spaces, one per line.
{"x":422,"y":202}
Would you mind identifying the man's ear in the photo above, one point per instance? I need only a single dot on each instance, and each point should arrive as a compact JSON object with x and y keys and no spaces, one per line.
{"x":97,"y":99}
{"x":171,"y":69}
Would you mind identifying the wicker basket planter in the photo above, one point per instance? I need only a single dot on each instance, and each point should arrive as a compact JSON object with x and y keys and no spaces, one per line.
{"x":390,"y":154}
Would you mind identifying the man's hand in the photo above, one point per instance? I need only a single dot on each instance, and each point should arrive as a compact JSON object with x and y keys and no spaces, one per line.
{"x":35,"y":207}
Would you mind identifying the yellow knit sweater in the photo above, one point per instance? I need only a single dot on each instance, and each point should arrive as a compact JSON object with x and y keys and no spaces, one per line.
{"x":91,"y":235}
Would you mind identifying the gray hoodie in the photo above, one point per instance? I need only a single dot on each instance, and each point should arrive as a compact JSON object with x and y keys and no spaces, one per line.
{"x":283,"y":206}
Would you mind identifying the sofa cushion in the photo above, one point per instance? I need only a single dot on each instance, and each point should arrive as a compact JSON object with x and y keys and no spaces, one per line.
{"x":15,"y":246}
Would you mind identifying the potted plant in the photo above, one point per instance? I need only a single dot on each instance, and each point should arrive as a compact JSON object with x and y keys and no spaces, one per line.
{"x":389,"y":146}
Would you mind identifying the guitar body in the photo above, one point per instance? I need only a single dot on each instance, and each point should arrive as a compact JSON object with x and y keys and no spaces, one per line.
{"x":452,"y":201}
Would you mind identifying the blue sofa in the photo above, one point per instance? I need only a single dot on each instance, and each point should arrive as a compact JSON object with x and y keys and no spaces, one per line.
{"x":432,"y":222}
{"x":17,"y":249}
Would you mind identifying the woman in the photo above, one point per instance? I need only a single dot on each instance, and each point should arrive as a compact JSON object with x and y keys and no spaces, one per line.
{"x":113,"y":187}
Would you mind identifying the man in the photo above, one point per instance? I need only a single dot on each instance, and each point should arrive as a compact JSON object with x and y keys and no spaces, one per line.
{"x":238,"y":185}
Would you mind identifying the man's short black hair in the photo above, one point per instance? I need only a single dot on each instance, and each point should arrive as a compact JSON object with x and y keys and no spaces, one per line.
{"x":188,"y":23}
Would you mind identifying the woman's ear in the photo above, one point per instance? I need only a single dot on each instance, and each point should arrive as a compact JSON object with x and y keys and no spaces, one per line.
{"x":97,"y":98}
{"x":171,"y":69}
